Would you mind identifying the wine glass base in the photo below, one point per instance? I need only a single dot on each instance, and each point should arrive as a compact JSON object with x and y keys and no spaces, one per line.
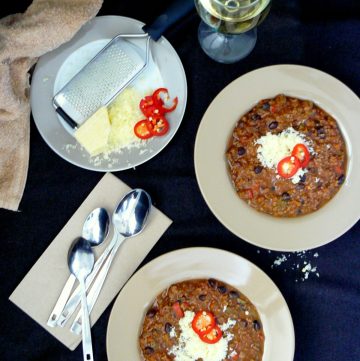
{"x":226,"y":48}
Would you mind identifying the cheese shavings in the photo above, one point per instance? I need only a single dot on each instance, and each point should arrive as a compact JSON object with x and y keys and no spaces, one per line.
{"x":190,"y":347}
{"x":275,"y":147}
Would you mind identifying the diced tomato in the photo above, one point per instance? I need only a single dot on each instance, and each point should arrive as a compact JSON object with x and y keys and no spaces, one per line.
{"x":203,"y":322}
{"x":179,"y":313}
{"x":162,"y":100}
{"x":158,"y":125}
{"x":288,"y":166}
{"x":339,"y":169}
{"x":301,"y":152}
{"x":249,"y":194}
{"x":213,"y":336}
{"x":142,"y":129}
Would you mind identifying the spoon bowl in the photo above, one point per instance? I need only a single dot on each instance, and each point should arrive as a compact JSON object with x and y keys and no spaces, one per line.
{"x":96,"y":226}
{"x":81,"y":258}
{"x":131,"y":214}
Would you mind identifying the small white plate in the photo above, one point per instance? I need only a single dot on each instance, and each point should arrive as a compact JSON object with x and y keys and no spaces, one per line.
{"x":281,"y":234}
{"x":55,"y":68}
{"x":193,"y":263}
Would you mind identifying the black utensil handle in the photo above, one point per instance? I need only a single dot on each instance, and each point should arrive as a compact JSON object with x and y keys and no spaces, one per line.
{"x":177,"y":10}
{"x":67,"y":119}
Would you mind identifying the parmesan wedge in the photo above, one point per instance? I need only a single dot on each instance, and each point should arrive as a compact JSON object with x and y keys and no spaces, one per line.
{"x":94,"y":133}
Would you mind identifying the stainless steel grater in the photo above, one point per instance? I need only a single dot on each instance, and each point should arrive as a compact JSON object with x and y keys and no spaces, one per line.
{"x":98,"y":82}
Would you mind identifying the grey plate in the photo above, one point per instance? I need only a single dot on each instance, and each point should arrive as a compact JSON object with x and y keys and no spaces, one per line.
{"x":195,"y":263}
{"x":49,"y":74}
{"x":280,"y":234}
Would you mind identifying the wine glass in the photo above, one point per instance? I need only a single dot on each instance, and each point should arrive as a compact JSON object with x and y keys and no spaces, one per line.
{"x":227,"y":32}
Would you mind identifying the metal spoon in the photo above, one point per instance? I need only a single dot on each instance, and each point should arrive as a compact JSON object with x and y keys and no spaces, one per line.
{"x":81,"y":261}
{"x":129,"y":219}
{"x":130,"y":215}
{"x":95,"y":230}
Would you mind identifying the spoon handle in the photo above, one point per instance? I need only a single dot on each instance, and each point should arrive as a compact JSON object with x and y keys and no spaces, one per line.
{"x":75,"y":298}
{"x":60,"y":304}
{"x":97,"y":286}
{"x":86,"y":330}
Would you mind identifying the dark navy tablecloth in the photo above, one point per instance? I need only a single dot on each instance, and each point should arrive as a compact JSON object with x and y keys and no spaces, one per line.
{"x":325,"y":307}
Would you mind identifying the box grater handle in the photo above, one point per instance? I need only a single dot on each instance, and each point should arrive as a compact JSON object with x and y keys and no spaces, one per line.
{"x":67,"y":119}
{"x":177,"y":10}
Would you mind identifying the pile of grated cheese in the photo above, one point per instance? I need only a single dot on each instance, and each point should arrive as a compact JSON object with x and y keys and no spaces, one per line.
{"x":274,"y":147}
{"x":190,"y":347}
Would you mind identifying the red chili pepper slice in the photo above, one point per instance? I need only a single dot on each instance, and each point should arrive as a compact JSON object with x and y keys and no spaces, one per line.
{"x":158,"y":125}
{"x":213,"y":336}
{"x":142,"y":129}
{"x":179,"y":313}
{"x":301,"y":152}
{"x":148,"y":107}
{"x":161,"y":100}
{"x":203,"y":322}
{"x":288,"y":166}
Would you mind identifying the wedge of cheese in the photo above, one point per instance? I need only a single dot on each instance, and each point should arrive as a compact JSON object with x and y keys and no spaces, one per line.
{"x":94,"y":133}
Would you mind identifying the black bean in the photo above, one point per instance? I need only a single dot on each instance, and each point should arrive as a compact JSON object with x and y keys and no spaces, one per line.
{"x":149,"y":350}
{"x":303,"y":178}
{"x":320,"y":131}
{"x":298,"y":211}
{"x":341,"y":179}
{"x":273,"y":188}
{"x":241,"y":124}
{"x":202,"y":297}
{"x":300,"y":186}
{"x":222,"y":289}
{"x":243,"y":323}
{"x":234,"y":294}
{"x":151,"y":313}
{"x":258,"y":169}
{"x":266,"y":106}
{"x":285,"y":196}
{"x":212,"y":283}
{"x":256,"y":325}
{"x":255,"y":117}
{"x":273,"y":125}
{"x":168,"y":327}
{"x":241,"y":151}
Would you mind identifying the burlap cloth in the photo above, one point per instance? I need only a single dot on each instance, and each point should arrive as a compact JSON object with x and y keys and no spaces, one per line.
{"x":45,"y":25}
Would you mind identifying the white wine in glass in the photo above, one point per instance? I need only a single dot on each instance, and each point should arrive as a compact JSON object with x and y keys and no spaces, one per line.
{"x":227,"y":32}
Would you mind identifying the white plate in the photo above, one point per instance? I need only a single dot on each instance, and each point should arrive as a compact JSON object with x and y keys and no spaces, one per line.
{"x":194,"y":263}
{"x":56,"y":67}
{"x":282,"y":234}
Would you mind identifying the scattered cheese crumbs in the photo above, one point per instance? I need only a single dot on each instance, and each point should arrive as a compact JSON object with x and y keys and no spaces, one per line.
{"x":317,"y":180}
{"x":298,"y":263}
{"x":94,"y":133}
{"x":224,"y":308}
{"x":274,"y":147}
{"x":232,"y":354}
{"x":190,"y":347}
{"x":229,"y":324}
{"x":298,"y":175}
{"x":172,"y":332}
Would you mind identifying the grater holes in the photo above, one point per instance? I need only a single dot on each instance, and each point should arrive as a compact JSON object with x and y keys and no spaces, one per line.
{"x":101,"y":80}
